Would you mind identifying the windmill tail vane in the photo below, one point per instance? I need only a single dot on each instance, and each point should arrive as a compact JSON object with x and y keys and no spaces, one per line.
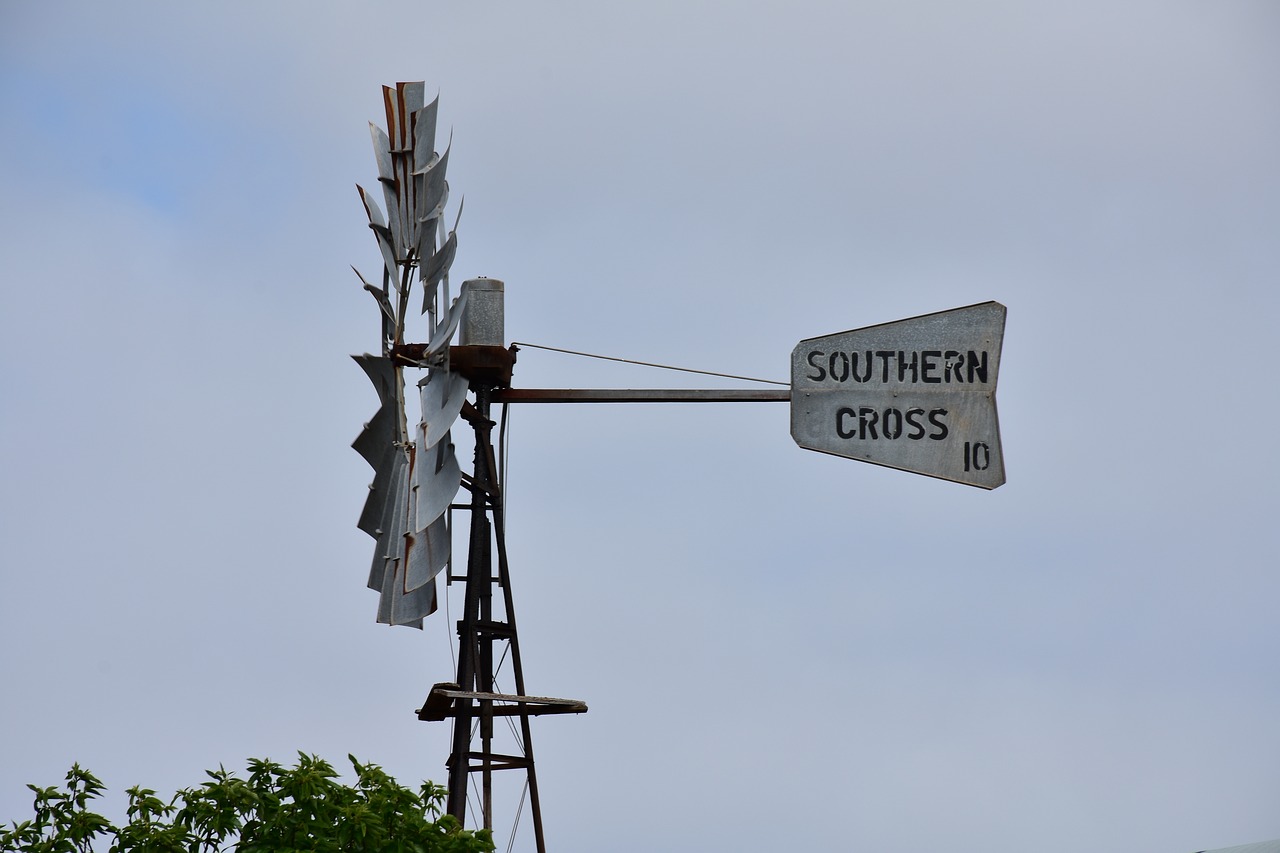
{"x":416,"y":474}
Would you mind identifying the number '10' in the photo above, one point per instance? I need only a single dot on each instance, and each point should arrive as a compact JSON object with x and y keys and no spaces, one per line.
{"x":977,"y":457}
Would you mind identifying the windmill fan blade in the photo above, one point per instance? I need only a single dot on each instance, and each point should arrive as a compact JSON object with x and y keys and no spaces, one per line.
{"x":439,"y":262}
{"x":413,"y":483}
{"x":384,"y":305}
{"x":378,"y":435}
{"x":407,"y":609}
{"x":403,"y":104}
{"x":382,"y":153}
{"x":424,"y":135}
{"x":413,"y":95}
{"x":400,"y":605}
{"x":390,"y":188}
{"x":373,"y":515}
{"x":376,"y":442}
{"x":429,"y":552}
{"x":444,"y":331}
{"x":384,"y":235}
{"x":390,"y":508}
{"x":394,"y":523}
{"x":442,"y":395}
{"x":435,"y":189}
{"x":436,"y":479}
{"x":381,"y":373}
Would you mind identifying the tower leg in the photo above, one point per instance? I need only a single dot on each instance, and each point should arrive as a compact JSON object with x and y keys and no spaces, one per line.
{"x":473,"y":703}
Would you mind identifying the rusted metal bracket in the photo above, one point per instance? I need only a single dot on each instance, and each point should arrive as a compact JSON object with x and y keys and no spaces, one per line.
{"x":481,"y":365}
{"x":484,"y":365}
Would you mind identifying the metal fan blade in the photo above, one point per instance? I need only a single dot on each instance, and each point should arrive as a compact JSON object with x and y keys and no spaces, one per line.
{"x":436,"y":479}
{"x":448,"y":325}
{"x":376,"y":442}
{"x":382,"y":153}
{"x":381,"y":372}
{"x":424,"y":135}
{"x":391,"y":520}
{"x":439,"y":263}
{"x":442,"y":395}
{"x":435,"y":190}
{"x":399,"y":605}
{"x":378,"y":435}
{"x":407,"y":609}
{"x":390,"y":188}
{"x":384,"y":305}
{"x":428,"y":553}
{"x":386,"y":242}
{"x":373,"y":515}
{"x":395,"y":518}
{"x":402,"y":104}
{"x":413,"y":95}
{"x":435,"y":266}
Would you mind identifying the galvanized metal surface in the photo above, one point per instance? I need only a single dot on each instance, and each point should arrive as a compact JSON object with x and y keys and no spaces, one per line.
{"x":441,"y":395}
{"x":416,"y":475}
{"x":917,"y":394}
{"x":483,"y":323}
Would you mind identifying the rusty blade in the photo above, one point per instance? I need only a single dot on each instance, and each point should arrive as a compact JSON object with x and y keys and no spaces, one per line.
{"x":413,"y":95}
{"x":409,"y":608}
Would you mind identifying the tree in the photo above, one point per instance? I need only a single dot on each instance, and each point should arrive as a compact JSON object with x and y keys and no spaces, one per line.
{"x":279,"y":809}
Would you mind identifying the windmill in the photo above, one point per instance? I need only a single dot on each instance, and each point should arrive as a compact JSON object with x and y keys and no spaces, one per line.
{"x":917,"y":395}
{"x":417,"y":475}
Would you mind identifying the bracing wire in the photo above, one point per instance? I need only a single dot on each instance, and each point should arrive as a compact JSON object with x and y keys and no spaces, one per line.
{"x":510,"y":721}
{"x":515,"y":824}
{"x":650,"y":364}
{"x":502,"y":659}
{"x":471,"y":806}
{"x":515,"y":735}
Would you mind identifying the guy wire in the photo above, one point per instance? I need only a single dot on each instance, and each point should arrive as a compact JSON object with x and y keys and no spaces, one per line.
{"x":650,"y":364}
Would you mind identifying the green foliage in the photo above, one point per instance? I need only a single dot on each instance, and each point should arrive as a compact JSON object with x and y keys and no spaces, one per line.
{"x":278,"y":809}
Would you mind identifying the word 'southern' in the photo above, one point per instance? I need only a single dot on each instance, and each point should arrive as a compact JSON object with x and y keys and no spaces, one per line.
{"x":907,"y":367}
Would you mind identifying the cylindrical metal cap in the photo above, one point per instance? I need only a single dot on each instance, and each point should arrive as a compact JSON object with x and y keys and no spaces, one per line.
{"x":482,"y":319}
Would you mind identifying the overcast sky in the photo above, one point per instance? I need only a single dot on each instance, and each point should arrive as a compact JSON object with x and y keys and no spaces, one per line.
{"x":780,"y":649}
